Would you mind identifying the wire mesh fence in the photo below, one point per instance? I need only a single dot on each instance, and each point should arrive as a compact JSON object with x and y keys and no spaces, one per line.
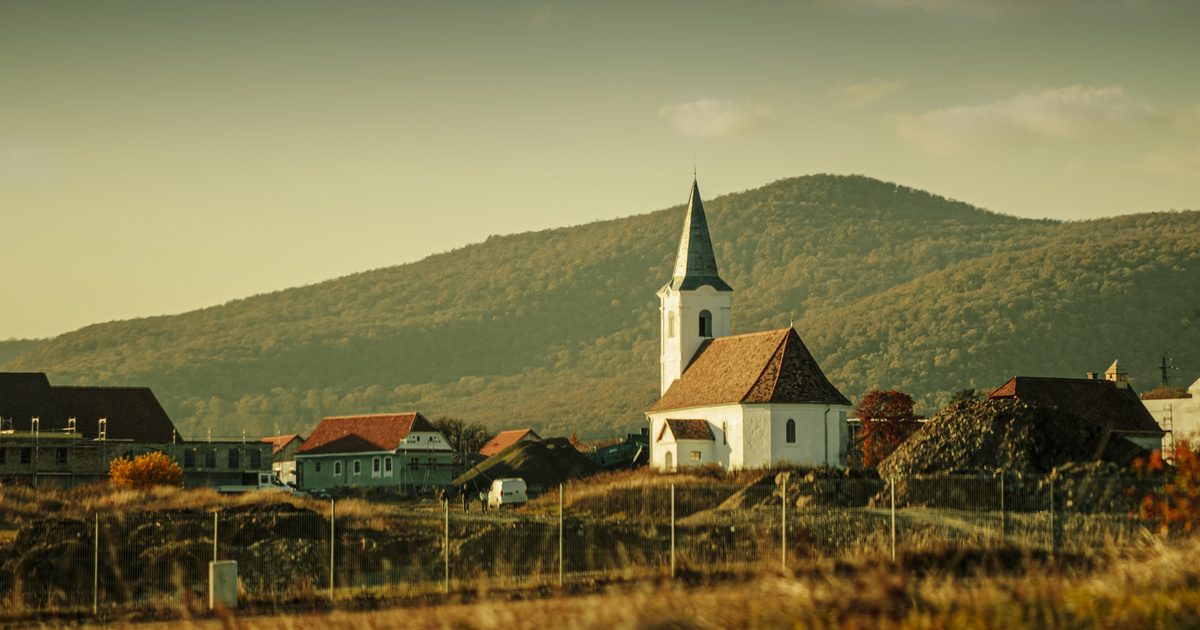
{"x":655,"y":526}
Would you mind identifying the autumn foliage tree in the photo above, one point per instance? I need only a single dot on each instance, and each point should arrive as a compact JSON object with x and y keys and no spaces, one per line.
{"x":886,"y":419}
{"x":1174,"y":507}
{"x":145,"y":471}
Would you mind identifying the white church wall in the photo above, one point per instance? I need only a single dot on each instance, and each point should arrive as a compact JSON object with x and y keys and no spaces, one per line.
{"x":820,"y":435}
{"x":680,"y":326}
{"x":725,"y":449}
{"x":756,"y":444}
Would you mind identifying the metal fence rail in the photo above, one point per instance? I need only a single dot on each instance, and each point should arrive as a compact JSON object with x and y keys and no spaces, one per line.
{"x":657,"y":526}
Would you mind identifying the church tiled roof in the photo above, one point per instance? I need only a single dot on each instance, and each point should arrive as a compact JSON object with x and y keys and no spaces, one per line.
{"x":1100,"y":402}
{"x":767,"y":367}
{"x":695,"y":263}
{"x":687,"y":430}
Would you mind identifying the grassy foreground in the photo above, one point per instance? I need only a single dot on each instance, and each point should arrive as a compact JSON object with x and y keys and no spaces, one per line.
{"x":1153,"y":587}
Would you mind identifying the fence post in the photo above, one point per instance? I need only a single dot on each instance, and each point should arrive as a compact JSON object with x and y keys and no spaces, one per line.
{"x":1053,"y":524}
{"x":1003,"y":513}
{"x":332,"y":544}
{"x":892,"y":483}
{"x":96,"y":568}
{"x":446,"y":549}
{"x":672,"y":530}
{"x":560,"y":534}
{"x":215,"y":535}
{"x":783,"y":524}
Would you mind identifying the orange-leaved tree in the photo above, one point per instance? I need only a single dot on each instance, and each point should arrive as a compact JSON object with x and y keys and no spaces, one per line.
{"x":145,"y":471}
{"x":1175,"y":506}
{"x":886,"y":419}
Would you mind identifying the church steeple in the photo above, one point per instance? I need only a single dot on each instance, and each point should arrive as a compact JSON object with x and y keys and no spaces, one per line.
{"x":694,"y":305}
{"x":695,"y":263}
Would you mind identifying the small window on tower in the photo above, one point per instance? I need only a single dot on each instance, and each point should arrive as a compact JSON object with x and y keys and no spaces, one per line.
{"x":791,"y":431}
{"x":671,"y":324}
{"x":705,"y":324}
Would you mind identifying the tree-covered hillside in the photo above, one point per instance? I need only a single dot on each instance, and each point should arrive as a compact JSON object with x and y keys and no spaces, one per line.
{"x":889,"y":286}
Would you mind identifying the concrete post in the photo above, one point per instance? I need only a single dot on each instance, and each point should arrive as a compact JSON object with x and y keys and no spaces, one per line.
{"x":783,"y":525}
{"x":672,"y":530}
{"x":1053,"y":523}
{"x":1003,"y":514}
{"x":96,"y":568}
{"x":332,"y":544}
{"x":446,"y":548}
{"x":560,"y":535}
{"x":892,"y":483}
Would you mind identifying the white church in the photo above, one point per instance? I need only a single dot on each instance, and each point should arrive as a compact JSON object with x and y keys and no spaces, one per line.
{"x":739,"y":401}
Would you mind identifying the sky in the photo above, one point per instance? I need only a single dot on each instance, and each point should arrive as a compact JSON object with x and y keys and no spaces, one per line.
{"x":162,"y":156}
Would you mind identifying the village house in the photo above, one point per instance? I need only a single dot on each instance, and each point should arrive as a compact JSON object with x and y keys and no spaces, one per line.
{"x":740,"y":401}
{"x":1178,"y":417}
{"x":283,"y":455}
{"x":70,"y":435}
{"x":402,"y":451}
{"x":505,"y":439}
{"x":1109,"y":403}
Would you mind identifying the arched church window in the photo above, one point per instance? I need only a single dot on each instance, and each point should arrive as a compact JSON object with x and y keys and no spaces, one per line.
{"x":671,"y":324}
{"x":791,"y":431}
{"x":725,"y":432}
{"x":705,"y":324}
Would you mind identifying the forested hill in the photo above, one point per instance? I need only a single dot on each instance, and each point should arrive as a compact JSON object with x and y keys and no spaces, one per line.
{"x":889,"y":286}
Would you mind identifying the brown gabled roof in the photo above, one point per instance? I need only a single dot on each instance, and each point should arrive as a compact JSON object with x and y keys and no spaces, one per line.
{"x":505,"y":439}
{"x":353,"y":434}
{"x":133,"y":413}
{"x":766,"y":367}
{"x":687,"y":430}
{"x":1101,"y":402}
{"x":280,"y":442}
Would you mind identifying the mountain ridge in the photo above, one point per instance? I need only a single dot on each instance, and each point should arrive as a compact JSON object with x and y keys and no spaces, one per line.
{"x":557,"y":328}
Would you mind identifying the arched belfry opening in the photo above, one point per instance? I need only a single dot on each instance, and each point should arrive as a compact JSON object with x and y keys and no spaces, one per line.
{"x":705,"y":324}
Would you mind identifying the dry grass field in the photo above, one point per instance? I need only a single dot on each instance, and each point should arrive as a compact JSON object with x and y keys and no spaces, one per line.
{"x":1152,"y":587}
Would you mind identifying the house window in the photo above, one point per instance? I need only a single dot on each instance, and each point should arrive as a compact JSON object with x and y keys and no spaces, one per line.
{"x":414,"y":463}
{"x":387,"y":466}
{"x":337,"y":469}
{"x":316,"y":466}
{"x":416,"y":438}
{"x":60,"y":456}
{"x":695,"y":456}
{"x":705,"y":324}
{"x":357,"y":467}
{"x":790,"y":436}
{"x":255,"y":458}
{"x":189,"y":458}
{"x":375,"y":467}
{"x":3,"y":456}
{"x":210,"y":458}
{"x":26,"y":455}
{"x":725,"y":432}
{"x":235,"y":457}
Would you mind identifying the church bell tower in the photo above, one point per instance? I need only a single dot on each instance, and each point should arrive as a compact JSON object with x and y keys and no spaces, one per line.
{"x":694,"y":305}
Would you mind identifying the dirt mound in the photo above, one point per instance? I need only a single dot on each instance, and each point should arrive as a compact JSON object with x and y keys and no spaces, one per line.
{"x":816,"y":487}
{"x":1009,"y":436}
{"x":542,"y":464}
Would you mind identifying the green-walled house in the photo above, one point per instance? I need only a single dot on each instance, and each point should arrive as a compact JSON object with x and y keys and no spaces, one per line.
{"x":397,"y":450}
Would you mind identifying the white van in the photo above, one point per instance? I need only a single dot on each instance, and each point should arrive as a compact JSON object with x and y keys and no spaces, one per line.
{"x":507,"y":492}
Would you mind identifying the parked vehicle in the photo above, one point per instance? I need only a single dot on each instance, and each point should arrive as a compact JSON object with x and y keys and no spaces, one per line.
{"x":510,"y":492}
{"x":255,"y":481}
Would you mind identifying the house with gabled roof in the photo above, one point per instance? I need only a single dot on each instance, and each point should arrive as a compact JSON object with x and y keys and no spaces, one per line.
{"x":283,"y":455}
{"x":398,"y":450}
{"x":1108,"y":403}
{"x":505,"y":439}
{"x":738,"y":401}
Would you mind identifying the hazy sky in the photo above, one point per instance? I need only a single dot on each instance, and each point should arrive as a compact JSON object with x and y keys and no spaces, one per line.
{"x":161,"y":156}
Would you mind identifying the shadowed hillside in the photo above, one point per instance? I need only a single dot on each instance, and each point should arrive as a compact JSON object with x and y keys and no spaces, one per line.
{"x":557,"y":329}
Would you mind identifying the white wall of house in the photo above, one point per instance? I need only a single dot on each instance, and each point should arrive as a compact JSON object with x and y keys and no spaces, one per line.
{"x":1183,"y":412}
{"x":425,"y":440}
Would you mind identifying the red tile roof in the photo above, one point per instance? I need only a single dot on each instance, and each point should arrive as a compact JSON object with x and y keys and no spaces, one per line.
{"x":280,"y":442}
{"x":1104,"y":403}
{"x":766,"y":367}
{"x":505,"y":439}
{"x":687,"y":430}
{"x":353,"y":434}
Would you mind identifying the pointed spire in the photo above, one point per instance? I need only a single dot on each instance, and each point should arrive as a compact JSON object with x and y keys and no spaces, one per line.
{"x":696,"y":264}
